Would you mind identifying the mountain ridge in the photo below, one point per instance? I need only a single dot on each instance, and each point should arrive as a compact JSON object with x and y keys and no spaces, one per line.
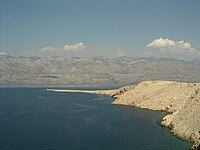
{"x":96,"y":70}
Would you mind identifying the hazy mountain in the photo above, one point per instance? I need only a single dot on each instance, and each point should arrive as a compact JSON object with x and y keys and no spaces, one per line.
{"x":96,"y":70}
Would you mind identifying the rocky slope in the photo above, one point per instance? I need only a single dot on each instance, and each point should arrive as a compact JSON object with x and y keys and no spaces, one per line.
{"x":182,"y":100}
{"x":95,"y":70}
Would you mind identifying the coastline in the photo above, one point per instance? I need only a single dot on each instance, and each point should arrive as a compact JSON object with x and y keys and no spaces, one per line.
{"x":182,"y":100}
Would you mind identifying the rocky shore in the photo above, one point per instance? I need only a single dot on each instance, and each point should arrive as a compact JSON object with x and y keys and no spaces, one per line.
{"x":181,"y":100}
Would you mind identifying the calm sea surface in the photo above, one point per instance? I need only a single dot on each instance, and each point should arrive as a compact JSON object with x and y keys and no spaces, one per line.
{"x":34,"y":119}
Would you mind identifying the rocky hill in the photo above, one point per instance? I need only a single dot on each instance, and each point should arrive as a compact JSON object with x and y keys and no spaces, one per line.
{"x":96,"y":70}
{"x":181,"y":99}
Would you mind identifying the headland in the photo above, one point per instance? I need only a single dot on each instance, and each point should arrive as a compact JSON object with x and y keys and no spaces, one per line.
{"x":181,"y":100}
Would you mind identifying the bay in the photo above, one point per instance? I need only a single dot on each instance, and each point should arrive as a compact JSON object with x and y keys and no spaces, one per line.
{"x":34,"y":119}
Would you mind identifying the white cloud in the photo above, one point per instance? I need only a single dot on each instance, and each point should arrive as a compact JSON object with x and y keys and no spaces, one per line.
{"x":172,"y":49}
{"x":47,"y":49}
{"x":2,"y":53}
{"x":161,"y":43}
{"x":172,"y":46}
{"x":75,"y":47}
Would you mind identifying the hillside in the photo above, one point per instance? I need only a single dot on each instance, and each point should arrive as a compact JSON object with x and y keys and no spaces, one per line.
{"x":96,"y":70}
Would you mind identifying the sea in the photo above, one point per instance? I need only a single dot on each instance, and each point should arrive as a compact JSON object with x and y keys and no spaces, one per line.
{"x":37,"y":119}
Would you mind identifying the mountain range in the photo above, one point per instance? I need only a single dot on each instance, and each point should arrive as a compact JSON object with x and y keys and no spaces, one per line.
{"x":96,"y":70}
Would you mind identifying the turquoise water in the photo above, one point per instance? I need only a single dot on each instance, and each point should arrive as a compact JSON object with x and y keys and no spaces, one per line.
{"x":34,"y":119}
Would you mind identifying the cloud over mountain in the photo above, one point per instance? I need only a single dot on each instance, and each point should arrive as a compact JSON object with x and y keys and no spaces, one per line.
{"x":172,"y":48}
{"x":74,"y":47}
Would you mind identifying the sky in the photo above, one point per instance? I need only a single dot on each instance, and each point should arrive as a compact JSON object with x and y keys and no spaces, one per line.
{"x":112,"y":28}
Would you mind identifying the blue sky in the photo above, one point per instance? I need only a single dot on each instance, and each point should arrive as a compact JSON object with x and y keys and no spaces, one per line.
{"x":99,"y":27}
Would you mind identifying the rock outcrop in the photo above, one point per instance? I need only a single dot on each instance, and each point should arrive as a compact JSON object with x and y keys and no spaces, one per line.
{"x":181,"y":100}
